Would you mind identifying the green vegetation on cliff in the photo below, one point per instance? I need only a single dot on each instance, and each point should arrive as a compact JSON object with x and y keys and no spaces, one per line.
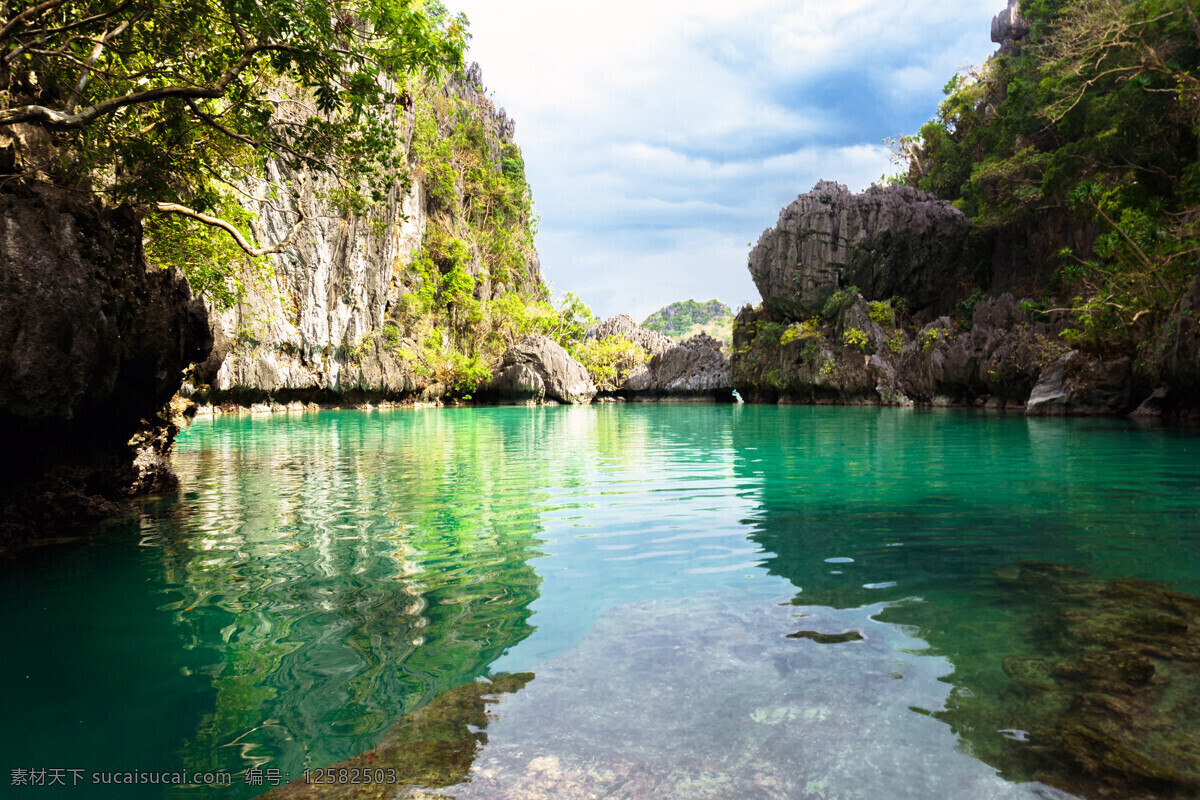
{"x":1083,"y":150}
{"x":475,"y":286}
{"x":689,"y":317}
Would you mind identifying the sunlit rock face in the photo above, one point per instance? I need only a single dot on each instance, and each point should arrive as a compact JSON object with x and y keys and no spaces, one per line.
{"x":323,"y":326}
{"x":536,"y":367}
{"x":313,"y":327}
{"x":1009,"y":28}
{"x":623,"y":327}
{"x":695,"y":366}
{"x":886,"y":241}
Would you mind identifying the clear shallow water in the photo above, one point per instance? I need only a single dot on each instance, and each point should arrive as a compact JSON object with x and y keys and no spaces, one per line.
{"x":318,"y":576}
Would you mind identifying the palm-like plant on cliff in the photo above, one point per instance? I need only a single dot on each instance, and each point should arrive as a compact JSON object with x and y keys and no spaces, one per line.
{"x":166,"y":104}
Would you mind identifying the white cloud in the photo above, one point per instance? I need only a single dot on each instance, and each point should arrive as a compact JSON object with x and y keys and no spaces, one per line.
{"x":662,"y":135}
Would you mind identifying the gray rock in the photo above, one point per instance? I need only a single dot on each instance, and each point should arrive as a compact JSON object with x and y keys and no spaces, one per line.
{"x":324,"y":325}
{"x":887,"y":241}
{"x":1156,"y":405}
{"x":563,"y":378}
{"x":1078,"y":384}
{"x":1009,"y":28}
{"x":623,"y":327}
{"x":517,"y":383}
{"x":695,"y":366}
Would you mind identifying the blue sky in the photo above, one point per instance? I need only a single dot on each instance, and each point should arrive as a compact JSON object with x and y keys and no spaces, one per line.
{"x":661,"y":136}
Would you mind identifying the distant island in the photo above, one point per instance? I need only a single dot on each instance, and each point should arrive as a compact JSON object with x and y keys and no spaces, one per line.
{"x":688,"y":317}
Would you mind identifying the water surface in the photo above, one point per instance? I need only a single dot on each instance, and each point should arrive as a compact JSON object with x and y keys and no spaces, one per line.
{"x":318,"y":576}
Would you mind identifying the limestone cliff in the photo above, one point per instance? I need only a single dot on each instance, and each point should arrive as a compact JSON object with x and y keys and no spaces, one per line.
{"x":338,"y":318}
{"x":885,"y":241}
{"x":818,"y":339}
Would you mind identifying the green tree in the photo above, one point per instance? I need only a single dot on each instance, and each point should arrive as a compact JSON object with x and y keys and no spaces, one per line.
{"x":1096,"y":119}
{"x":168,"y":103}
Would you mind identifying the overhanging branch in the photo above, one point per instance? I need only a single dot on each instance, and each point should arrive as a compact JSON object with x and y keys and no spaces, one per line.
{"x":217,"y":222}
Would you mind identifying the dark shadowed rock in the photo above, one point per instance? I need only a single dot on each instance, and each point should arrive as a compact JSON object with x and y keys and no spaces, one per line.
{"x":886,"y":241}
{"x":517,"y":383}
{"x":564,"y":379}
{"x":853,"y":359}
{"x":623,"y":327}
{"x":1079,"y":384}
{"x":695,"y":366}
{"x":93,"y":343}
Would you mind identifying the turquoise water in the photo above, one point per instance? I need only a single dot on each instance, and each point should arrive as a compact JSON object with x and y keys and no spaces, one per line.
{"x":318,"y":576}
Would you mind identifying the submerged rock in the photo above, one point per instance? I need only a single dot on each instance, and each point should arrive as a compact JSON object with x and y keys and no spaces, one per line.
{"x":827,"y":638}
{"x":430,"y":748}
{"x":1105,"y":700}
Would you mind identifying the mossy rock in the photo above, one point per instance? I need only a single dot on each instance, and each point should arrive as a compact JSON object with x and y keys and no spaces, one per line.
{"x":430,"y":748}
{"x":1109,"y":691}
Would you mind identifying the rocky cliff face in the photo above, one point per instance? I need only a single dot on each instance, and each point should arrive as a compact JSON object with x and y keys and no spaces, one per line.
{"x":885,"y":241}
{"x":1001,"y":356}
{"x":331,"y":324}
{"x":1009,"y":28}
{"x":92,"y":346}
{"x":696,"y":367}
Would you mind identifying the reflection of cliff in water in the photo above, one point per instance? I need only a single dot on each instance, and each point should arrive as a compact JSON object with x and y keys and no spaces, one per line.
{"x":1068,"y":672}
{"x":344,"y":571}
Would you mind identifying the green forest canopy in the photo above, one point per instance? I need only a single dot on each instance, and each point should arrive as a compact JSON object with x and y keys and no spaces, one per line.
{"x":1096,"y":117}
{"x":166,"y":103}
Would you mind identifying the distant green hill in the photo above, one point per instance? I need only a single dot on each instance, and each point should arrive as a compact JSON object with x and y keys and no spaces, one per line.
{"x":689,"y":317}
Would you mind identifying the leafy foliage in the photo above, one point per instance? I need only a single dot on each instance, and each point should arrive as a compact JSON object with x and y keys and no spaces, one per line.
{"x":689,"y":317}
{"x":165,"y":90}
{"x":1097,"y":118}
{"x":853,"y":337}
{"x":609,"y":361}
{"x":839,"y":302}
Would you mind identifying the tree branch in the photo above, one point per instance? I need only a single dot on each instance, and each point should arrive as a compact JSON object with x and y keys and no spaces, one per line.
{"x":27,"y":15}
{"x":77,"y":92}
{"x":217,"y":222}
{"x":73,"y":121}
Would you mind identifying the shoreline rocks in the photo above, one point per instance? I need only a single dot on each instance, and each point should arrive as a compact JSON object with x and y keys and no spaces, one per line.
{"x":694,"y":367}
{"x":537,"y":368}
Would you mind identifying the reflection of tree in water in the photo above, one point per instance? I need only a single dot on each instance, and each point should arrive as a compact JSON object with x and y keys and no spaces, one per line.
{"x":344,"y":571}
{"x":1088,"y":684}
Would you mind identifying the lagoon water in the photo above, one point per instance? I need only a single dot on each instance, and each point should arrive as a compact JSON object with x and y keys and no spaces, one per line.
{"x":319,"y":576}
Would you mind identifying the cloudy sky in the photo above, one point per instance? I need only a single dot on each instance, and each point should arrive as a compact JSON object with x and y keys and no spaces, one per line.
{"x":663,"y":136}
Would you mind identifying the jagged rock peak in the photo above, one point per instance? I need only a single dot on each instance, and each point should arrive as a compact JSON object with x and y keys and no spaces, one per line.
{"x":1009,"y":28}
{"x":887,"y":241}
{"x":624,"y":327}
{"x":695,"y":366}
